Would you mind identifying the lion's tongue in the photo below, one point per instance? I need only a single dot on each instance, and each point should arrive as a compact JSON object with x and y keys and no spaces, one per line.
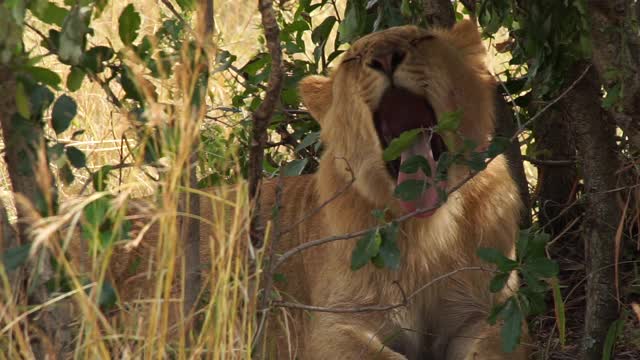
{"x":429,"y":197}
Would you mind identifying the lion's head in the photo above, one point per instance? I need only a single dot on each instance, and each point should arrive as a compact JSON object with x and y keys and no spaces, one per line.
{"x":396,"y":80}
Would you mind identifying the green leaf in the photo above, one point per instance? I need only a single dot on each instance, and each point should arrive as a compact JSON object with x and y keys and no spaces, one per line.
{"x":129,"y":85}
{"x":99,"y":178}
{"x":64,"y":110}
{"x":49,"y":12}
{"x":497,"y":146}
{"x":308,"y":140}
{"x":498,"y":282}
{"x":542,"y":267}
{"x":40,"y":99}
{"x":410,"y":189}
{"x":66,"y":174}
{"x":95,"y":57}
{"x":495,"y":313}
{"x":534,"y":300}
{"x":14,"y":257}
{"x":22,"y":101}
{"x":414,"y":163}
{"x":389,"y":251}
{"x":129,"y":24}
{"x":512,"y":328}
{"x":448,"y":122}
{"x":354,"y":22}
{"x":522,"y":244}
{"x":367,"y":247}
{"x":107,"y":298}
{"x":490,"y":255}
{"x":378,"y":261}
{"x":477,"y":161}
{"x":494,"y":256}
{"x":186,"y":5}
{"x":320,"y":34}
{"x":95,"y":213}
{"x":444,"y":163}
{"x":295,"y":167}
{"x":399,"y":144}
{"x":532,"y":281}
{"x":44,"y":76}
{"x":615,"y":329}
{"x":76,"y":157}
{"x":537,"y":244}
{"x":75,"y":78}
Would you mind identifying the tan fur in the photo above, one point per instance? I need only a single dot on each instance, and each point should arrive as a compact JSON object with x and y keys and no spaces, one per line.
{"x":448,"y":319}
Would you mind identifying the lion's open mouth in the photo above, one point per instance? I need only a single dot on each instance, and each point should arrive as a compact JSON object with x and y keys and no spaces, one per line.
{"x":400,"y":110}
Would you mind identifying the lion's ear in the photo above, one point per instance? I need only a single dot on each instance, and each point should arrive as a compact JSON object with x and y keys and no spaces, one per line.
{"x":315,"y":92}
{"x":465,"y":36}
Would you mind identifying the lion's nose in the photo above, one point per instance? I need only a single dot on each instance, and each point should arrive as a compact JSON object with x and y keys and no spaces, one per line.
{"x":386,"y":61}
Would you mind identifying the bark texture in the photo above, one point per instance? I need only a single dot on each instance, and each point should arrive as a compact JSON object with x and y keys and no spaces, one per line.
{"x":556,"y":183}
{"x":506,"y":127}
{"x":32,"y":183}
{"x":597,"y":157}
{"x":262,"y":116}
{"x":616,"y":56}
{"x":438,"y":13}
{"x":261,"y":120}
{"x":190,"y":231}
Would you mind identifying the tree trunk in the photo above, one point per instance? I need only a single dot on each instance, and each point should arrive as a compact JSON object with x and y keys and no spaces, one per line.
{"x":556,"y":183}
{"x":32,"y":185}
{"x":261,"y":120}
{"x":595,"y":140}
{"x":616,"y":56}
{"x":438,"y":13}
{"x":191,"y":226}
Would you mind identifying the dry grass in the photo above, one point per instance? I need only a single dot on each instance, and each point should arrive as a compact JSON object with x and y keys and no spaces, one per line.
{"x":145,"y":328}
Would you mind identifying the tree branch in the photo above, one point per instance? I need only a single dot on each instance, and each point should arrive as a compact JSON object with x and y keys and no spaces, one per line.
{"x":406,"y":300}
{"x":262,"y":116}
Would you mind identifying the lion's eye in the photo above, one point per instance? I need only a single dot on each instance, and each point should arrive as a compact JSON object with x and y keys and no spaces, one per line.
{"x":416,"y":41}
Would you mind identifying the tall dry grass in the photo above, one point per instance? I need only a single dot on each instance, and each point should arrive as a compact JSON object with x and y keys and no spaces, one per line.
{"x":153,"y":325}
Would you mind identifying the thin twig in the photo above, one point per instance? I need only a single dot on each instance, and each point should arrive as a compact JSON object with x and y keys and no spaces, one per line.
{"x":326,"y":202}
{"x":335,"y":9}
{"x":374,"y":308}
{"x":269,"y":269}
{"x":540,"y":162}
{"x":93,"y":77}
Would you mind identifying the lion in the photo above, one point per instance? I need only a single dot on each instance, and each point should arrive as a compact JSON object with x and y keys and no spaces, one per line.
{"x":388,"y":82}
